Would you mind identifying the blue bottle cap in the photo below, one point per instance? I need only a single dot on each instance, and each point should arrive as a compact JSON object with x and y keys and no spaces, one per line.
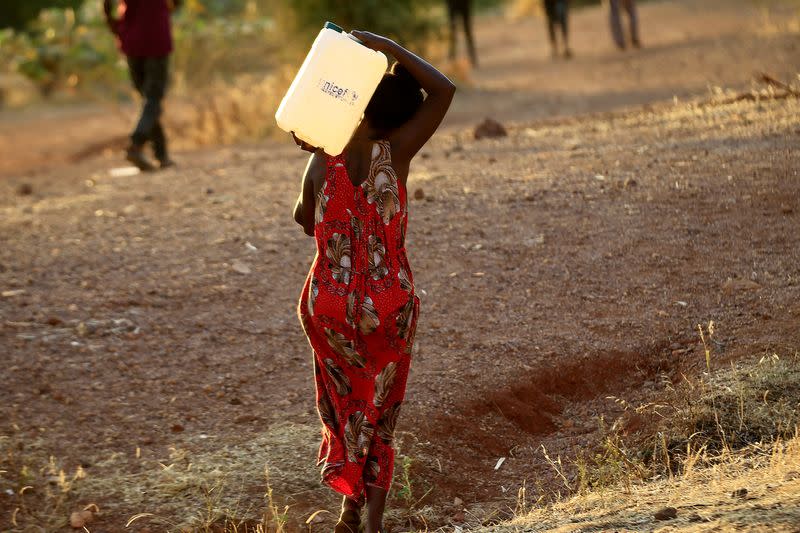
{"x":332,"y":26}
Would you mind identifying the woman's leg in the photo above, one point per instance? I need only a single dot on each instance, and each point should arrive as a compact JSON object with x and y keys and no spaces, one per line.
{"x":350,"y":505}
{"x":376,"y":503}
{"x":350,"y":518}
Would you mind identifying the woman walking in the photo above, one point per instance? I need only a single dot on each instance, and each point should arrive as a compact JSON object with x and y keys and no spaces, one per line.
{"x":358,"y":306}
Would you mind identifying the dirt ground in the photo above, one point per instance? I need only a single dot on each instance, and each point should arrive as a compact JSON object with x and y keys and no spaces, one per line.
{"x":147,"y":322}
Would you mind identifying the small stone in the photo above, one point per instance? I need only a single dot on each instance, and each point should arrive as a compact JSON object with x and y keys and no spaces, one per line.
{"x":419,"y":194}
{"x":12,"y":293}
{"x":240,"y":267}
{"x":130,"y":209}
{"x":458,"y":502}
{"x":667,"y":513}
{"x":733,"y":285}
{"x":245,"y":419}
{"x":490,"y":129}
{"x":235,"y":401}
{"x":25,"y":189}
{"x":79,"y":519}
{"x":739,"y":493}
{"x":54,"y":321}
{"x":177,"y":428}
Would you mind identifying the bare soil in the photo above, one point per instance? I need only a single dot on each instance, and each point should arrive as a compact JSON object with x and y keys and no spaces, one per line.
{"x":147,"y":322}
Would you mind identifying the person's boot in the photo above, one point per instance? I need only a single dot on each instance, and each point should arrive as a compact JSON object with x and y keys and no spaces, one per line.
{"x":166,"y":162}
{"x":135,"y":155}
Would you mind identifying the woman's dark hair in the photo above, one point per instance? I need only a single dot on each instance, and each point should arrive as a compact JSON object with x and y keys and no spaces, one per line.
{"x":395,"y":101}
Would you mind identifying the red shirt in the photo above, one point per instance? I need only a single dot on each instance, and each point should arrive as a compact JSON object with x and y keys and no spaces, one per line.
{"x":144,"y":28}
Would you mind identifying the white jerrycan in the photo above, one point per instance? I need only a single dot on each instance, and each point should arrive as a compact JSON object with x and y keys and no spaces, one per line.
{"x":327,"y":98}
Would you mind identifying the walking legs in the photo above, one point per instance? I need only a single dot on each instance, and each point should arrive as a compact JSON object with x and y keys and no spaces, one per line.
{"x":615,"y":18}
{"x":616,"y":24}
{"x":461,"y":10}
{"x":467,"y":16}
{"x":149,"y":77}
{"x":557,"y":12}
{"x":452,"y":22}
{"x":350,"y":519}
{"x":633,"y":19}
{"x":376,"y":502}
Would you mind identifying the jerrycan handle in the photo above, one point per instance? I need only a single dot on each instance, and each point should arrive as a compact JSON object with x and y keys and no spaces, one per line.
{"x":335,"y":27}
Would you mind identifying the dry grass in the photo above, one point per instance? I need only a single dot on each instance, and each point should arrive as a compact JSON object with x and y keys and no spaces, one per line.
{"x":186,"y":491}
{"x":703,"y":497}
{"x":227,"y":113}
{"x":718,"y":433}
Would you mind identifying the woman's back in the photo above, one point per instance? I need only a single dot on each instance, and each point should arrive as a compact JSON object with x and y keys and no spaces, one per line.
{"x":360,"y":234}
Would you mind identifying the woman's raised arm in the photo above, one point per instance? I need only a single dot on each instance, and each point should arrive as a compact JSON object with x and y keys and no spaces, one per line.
{"x":412,"y":136}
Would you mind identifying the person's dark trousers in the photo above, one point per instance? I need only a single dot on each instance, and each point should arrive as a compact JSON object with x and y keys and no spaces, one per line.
{"x":556,"y":11}
{"x":616,"y":22}
{"x":149,"y":76}
{"x":461,"y":9}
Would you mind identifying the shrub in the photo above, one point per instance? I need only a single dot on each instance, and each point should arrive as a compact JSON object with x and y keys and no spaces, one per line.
{"x":411,"y":22}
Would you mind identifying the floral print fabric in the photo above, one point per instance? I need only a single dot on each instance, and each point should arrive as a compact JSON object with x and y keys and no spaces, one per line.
{"x":359,"y":312}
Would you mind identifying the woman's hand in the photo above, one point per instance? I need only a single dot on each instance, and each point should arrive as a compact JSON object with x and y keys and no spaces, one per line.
{"x":374,"y":41}
{"x":303,"y":145}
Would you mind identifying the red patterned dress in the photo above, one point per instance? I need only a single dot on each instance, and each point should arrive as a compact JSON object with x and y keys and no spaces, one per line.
{"x":359,"y":311}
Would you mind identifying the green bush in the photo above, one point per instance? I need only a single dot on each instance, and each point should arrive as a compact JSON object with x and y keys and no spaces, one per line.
{"x":63,"y":48}
{"x":408,"y":21}
{"x":68,"y":49}
{"x":18,"y":13}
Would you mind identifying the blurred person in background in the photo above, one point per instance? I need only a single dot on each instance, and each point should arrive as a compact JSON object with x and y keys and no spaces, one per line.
{"x":616,"y":22}
{"x":557,"y":12}
{"x":461,"y":9}
{"x":143,"y":29}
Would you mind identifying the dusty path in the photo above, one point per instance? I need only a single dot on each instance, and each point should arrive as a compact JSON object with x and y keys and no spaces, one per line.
{"x":559,"y":265}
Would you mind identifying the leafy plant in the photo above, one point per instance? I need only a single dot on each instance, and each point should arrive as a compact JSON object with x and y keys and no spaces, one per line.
{"x":411,"y":22}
